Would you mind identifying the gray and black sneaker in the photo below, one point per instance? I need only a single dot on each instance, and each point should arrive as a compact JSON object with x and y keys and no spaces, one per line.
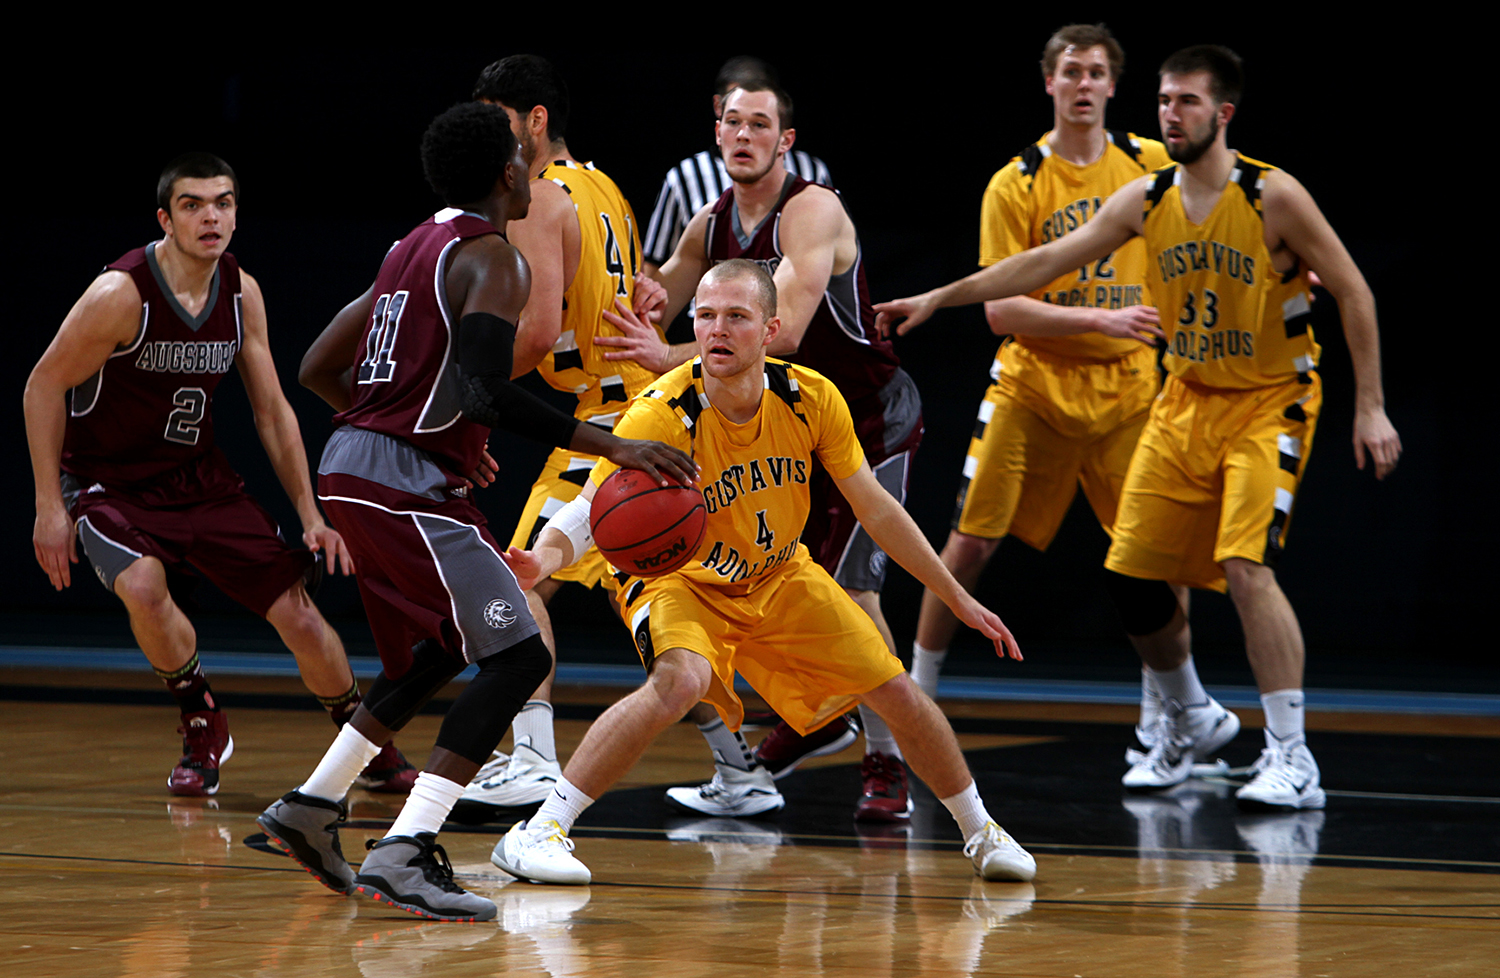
{"x":308,"y":829}
{"x":413,"y":874}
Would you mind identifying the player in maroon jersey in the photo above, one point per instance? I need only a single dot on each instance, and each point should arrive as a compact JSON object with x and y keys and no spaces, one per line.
{"x":802,"y":234}
{"x":121,"y":405}
{"x":419,"y":368}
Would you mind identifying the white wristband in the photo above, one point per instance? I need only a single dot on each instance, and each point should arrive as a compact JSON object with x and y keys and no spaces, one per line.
{"x":572,"y":521}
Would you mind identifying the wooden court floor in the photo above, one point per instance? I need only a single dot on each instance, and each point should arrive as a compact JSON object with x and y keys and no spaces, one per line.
{"x":104,"y":874}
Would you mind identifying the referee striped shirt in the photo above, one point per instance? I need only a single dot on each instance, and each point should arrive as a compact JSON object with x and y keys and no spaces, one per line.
{"x":697,"y":182}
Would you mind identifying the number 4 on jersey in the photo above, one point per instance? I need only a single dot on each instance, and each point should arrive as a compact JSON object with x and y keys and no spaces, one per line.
{"x":763,"y":534}
{"x":385,"y":322}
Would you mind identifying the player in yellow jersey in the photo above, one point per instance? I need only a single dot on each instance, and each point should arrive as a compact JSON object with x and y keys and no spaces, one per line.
{"x":1210,"y":488}
{"x":581,"y":242}
{"x":1073,"y":385}
{"x":752,"y":600}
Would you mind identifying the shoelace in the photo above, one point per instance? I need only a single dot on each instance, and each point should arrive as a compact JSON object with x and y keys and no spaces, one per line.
{"x":991,"y":832}
{"x":555,"y":834}
{"x":492,"y":766}
{"x":437,"y":868}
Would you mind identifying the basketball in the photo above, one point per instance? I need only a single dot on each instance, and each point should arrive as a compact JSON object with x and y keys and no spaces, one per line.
{"x":646,"y":529}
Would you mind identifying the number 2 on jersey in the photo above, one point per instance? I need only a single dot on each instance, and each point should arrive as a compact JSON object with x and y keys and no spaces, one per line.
{"x":182,"y":424}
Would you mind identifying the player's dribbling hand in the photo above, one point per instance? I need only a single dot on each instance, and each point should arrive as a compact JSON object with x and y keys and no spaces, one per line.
{"x":1131,"y":323}
{"x":52,"y":539}
{"x":321,"y":536}
{"x":650,"y":298}
{"x":659,"y":461}
{"x":640,"y":342}
{"x":903,"y":315}
{"x":1373,"y":432}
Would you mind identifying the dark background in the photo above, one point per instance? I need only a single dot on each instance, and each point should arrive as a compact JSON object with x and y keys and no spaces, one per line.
{"x":912,"y":123}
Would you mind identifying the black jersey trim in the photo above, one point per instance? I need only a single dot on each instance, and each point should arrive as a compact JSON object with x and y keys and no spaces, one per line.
{"x":1294,"y":412}
{"x":1159,"y":187}
{"x":1248,"y":177}
{"x":781,"y":383}
{"x":1031,"y":161}
{"x":1129,"y":146}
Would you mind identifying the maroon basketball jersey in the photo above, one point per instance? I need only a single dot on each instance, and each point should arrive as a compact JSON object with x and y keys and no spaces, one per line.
{"x":405,"y":383}
{"x":841,"y":342}
{"x":149,"y":408}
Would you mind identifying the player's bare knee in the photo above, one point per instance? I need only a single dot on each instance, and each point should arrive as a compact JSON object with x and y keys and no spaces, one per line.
{"x":679,"y":679}
{"x":296,"y":618}
{"x":1248,"y":579}
{"x":963,"y":552}
{"x":143,"y":588}
{"x":898,"y":700}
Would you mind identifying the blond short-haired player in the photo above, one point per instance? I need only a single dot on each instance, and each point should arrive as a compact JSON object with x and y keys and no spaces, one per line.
{"x":1209,"y":493}
{"x":752,"y":600}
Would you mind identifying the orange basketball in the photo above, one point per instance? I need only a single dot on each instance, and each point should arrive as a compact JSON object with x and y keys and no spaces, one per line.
{"x":646,"y":529}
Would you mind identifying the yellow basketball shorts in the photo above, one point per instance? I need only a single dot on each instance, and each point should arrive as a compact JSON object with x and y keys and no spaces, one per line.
{"x":1213,"y":478}
{"x":562,"y":479}
{"x":798,"y":639}
{"x":1046,"y":424}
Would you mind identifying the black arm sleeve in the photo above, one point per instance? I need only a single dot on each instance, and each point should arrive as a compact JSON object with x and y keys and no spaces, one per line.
{"x":486,"y":394}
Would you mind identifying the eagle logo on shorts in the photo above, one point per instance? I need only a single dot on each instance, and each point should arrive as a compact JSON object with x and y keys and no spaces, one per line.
{"x":498,"y":613}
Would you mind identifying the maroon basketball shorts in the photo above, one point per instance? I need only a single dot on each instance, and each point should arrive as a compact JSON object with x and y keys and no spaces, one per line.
{"x":425,"y":560}
{"x":890,"y":428}
{"x":228,"y":538}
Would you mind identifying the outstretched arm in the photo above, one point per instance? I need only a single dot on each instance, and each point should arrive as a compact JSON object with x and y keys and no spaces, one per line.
{"x":890,"y":526}
{"x":103,"y":320}
{"x":553,"y":549}
{"x":1116,"y":223}
{"x":1293,"y":217}
{"x":813,"y":227}
{"x":276,"y":424}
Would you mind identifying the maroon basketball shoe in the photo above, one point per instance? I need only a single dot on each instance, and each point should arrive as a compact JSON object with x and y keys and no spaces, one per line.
{"x":784,"y":748}
{"x":885,"y":798}
{"x":390,"y":773}
{"x":205,"y":745}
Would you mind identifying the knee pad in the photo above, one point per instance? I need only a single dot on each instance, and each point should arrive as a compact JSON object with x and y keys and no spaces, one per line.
{"x":1144,"y":606}
{"x":484,"y":711}
{"x":395,"y":701}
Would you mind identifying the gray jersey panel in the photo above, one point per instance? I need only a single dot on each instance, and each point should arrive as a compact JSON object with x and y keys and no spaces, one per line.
{"x":384,"y":460}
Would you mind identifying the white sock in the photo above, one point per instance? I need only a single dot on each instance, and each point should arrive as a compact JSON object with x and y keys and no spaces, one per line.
{"x":1284,"y":717}
{"x":878,"y":736}
{"x":729,"y":747}
{"x":533,"y":728}
{"x":563,"y":805}
{"x":968,"y":810}
{"x":348,"y":755}
{"x":1182,"y":685}
{"x":925,"y":666}
{"x":428,"y":805}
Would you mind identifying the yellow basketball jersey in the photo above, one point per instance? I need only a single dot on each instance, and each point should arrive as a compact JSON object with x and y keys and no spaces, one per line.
{"x":1039,"y":197}
{"x":1231,"y":319}
{"x":755,"y":475}
{"x":608,"y":259}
